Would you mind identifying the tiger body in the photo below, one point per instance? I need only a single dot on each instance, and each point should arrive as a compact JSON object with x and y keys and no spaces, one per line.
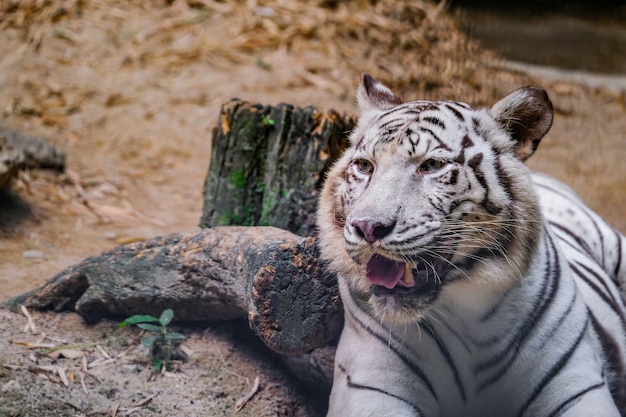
{"x":471,"y":286}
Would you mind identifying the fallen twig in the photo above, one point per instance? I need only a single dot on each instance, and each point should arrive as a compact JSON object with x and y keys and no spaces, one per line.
{"x":30,"y":325}
{"x":241,"y":403}
{"x":82,"y":382}
{"x":145,"y":401}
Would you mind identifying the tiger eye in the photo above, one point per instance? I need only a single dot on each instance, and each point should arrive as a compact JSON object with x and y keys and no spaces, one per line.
{"x":364,"y":166}
{"x":431,"y":165}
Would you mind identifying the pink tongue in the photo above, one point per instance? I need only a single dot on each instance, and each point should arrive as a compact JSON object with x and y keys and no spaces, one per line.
{"x":384,"y":272}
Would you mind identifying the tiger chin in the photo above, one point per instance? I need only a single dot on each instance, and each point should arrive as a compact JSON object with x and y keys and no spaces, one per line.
{"x":464,"y":276}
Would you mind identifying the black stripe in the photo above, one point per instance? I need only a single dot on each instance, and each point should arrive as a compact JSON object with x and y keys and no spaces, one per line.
{"x":607,"y":298}
{"x":435,"y":121}
{"x":402,"y":244}
{"x":540,"y":307}
{"x":466,"y":142}
{"x":460,"y":339}
{"x":455,"y":112}
{"x":475,"y":161}
{"x":504,"y":179}
{"x":435,"y":138}
{"x":443,"y":349}
{"x":580,"y":250}
{"x":397,"y":109}
{"x":410,"y":108}
{"x":554,"y":371}
{"x":612,"y":356}
{"x":561,"y":319}
{"x":454,"y":177}
{"x":476,"y":126}
{"x":583,"y":245}
{"x":583,"y":209}
{"x":359,"y":144}
{"x":354,"y":385}
{"x":474,"y":164}
{"x":573,"y":399}
{"x":618,"y":266}
{"x":392,"y":123}
{"x":389,"y":135}
{"x":385,"y":340}
{"x":437,"y":205}
{"x":606,"y":293}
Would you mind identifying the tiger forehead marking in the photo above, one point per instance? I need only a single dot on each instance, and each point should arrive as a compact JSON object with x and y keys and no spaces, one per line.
{"x":418,"y":124}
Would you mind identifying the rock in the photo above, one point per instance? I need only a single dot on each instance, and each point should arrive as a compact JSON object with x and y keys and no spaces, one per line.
{"x":11,"y":161}
{"x":37,"y":152}
{"x":18,"y":151}
{"x":32,"y":254}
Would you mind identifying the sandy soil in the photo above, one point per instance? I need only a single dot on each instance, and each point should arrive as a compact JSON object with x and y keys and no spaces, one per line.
{"x":103,"y":371}
{"x":130,"y":91}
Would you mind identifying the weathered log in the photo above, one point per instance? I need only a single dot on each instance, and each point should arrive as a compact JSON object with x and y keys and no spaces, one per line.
{"x":272,"y":276}
{"x":268,"y":164}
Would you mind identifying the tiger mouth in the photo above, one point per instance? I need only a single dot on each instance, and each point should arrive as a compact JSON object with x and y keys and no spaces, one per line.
{"x":389,"y":276}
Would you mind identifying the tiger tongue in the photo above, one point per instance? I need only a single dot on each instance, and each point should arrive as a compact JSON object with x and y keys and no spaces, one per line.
{"x":387,"y":272}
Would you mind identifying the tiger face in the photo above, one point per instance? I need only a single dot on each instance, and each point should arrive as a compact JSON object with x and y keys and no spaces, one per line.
{"x":432,"y":200}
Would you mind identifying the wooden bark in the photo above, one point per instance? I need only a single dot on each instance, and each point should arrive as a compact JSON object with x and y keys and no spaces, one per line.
{"x":272,"y":276}
{"x":268,"y":164}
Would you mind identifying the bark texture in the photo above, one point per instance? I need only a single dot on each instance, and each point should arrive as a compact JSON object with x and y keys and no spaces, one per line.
{"x":268,"y":164}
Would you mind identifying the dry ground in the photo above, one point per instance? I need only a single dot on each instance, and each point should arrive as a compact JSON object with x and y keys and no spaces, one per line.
{"x":131,"y":90}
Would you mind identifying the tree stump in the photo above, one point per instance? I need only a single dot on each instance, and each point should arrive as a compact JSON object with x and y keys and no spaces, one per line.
{"x":269,"y":275}
{"x":268,"y":164}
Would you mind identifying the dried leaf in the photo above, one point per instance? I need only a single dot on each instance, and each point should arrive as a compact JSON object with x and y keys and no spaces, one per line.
{"x":34,"y":345}
{"x":63,"y":376}
{"x":66,"y":353}
{"x":82,"y":382}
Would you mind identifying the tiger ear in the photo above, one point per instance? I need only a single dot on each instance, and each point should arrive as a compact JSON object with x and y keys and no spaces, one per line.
{"x":372,"y":94}
{"x":526,"y":114}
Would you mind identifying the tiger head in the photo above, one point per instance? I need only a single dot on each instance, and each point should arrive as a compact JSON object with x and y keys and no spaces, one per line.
{"x":433,"y":200}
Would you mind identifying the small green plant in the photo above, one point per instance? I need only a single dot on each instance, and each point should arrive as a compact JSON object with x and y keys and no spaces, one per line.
{"x":161,"y":343}
{"x":267,"y":121}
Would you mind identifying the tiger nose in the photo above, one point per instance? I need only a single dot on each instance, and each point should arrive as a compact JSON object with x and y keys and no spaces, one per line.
{"x":372,"y":230}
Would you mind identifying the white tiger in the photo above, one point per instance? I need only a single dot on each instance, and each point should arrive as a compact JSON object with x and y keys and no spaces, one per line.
{"x":471,"y":286}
